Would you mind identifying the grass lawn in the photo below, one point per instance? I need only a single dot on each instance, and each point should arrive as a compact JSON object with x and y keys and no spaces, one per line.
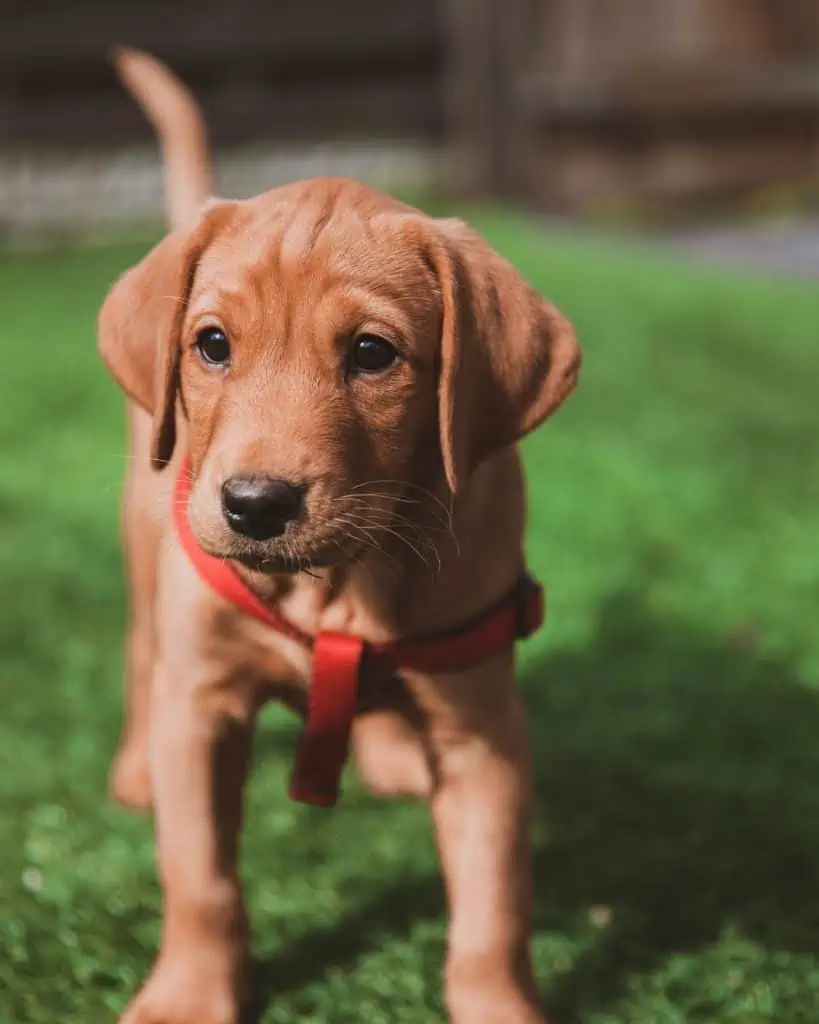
{"x":674,"y":696}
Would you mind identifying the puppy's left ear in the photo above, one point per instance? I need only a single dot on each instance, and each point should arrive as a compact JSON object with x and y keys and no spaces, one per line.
{"x":508,"y":357}
{"x":140,"y":323}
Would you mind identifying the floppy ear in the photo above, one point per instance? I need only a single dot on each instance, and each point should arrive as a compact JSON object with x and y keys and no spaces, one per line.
{"x":139,"y":325}
{"x":508,"y":357}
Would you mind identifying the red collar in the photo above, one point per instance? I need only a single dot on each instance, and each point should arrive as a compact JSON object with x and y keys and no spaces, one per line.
{"x":337,"y":657}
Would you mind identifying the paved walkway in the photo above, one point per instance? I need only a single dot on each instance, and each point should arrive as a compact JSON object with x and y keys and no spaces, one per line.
{"x":787,"y":246}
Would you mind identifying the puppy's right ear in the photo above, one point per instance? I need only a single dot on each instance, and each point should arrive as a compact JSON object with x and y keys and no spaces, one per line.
{"x":140,"y":324}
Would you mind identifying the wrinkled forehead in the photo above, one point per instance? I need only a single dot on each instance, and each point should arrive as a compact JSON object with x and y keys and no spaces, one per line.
{"x":303,"y":253}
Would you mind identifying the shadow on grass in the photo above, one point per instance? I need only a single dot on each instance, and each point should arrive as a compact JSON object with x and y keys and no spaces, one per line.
{"x":678,"y":781}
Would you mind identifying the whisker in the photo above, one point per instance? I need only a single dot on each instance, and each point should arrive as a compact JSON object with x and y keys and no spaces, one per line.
{"x":355,"y":523}
{"x":422,"y":533}
{"x":409,"y":486}
{"x":419,"y":530}
{"x":403,"y":539}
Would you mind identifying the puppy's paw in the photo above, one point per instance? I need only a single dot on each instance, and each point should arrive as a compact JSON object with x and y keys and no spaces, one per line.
{"x":130,"y":780}
{"x":514,"y":1010}
{"x":182,"y":993}
{"x":491,"y":997}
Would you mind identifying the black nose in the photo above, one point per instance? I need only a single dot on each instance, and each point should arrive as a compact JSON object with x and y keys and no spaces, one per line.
{"x":260,"y":506}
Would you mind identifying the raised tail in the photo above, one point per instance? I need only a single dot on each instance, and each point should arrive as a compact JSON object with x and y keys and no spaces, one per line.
{"x":177,"y":119}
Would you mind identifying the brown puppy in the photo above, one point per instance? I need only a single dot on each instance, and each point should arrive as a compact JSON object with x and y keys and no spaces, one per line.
{"x":369,"y":368}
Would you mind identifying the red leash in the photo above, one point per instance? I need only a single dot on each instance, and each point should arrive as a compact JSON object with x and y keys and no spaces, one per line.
{"x":337,"y":657}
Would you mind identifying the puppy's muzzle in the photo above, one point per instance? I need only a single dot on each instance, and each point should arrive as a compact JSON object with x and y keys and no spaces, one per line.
{"x":260,"y":507}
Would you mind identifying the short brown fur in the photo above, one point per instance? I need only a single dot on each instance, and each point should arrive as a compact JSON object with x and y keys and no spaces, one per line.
{"x":412,"y":524}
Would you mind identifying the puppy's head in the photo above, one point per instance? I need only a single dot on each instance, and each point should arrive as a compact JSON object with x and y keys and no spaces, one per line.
{"x":330,"y":349}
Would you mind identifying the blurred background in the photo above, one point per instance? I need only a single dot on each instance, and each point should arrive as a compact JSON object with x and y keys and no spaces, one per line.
{"x":616,"y":152}
{"x":641,"y":109}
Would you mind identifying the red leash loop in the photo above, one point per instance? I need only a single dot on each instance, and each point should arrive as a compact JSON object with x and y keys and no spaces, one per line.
{"x":324,"y":743}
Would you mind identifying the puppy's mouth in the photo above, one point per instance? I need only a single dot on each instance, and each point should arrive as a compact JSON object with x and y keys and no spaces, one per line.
{"x":277,"y":564}
{"x":286,"y":555}
{"x":291,"y":555}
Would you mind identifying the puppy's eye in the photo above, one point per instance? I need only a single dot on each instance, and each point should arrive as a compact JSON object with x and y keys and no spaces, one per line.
{"x":371,"y":354}
{"x":213,"y":346}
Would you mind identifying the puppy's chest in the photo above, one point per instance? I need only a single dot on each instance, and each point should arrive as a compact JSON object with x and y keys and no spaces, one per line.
{"x":283,"y":661}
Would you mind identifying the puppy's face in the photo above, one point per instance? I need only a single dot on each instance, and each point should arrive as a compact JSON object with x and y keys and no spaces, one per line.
{"x":308,"y":373}
{"x":331,"y":350}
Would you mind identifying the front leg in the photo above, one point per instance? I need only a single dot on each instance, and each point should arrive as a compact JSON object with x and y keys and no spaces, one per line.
{"x":200,"y":753}
{"x":481,"y":805}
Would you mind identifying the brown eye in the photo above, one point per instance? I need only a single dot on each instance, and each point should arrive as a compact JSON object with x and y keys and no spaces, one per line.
{"x":213,"y":347}
{"x":371,"y":354}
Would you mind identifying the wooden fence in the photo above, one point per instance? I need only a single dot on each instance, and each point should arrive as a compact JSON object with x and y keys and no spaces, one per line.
{"x":595,"y":104}
{"x":578,"y":105}
{"x":291,"y":70}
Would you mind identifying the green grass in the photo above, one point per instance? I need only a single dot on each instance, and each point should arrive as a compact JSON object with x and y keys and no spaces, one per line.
{"x":674,"y":696}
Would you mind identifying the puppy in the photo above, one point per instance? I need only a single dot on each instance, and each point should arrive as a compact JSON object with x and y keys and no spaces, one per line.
{"x":326,"y":387}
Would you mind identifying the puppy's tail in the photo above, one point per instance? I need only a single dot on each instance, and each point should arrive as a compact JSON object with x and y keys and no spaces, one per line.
{"x":177,"y":119}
